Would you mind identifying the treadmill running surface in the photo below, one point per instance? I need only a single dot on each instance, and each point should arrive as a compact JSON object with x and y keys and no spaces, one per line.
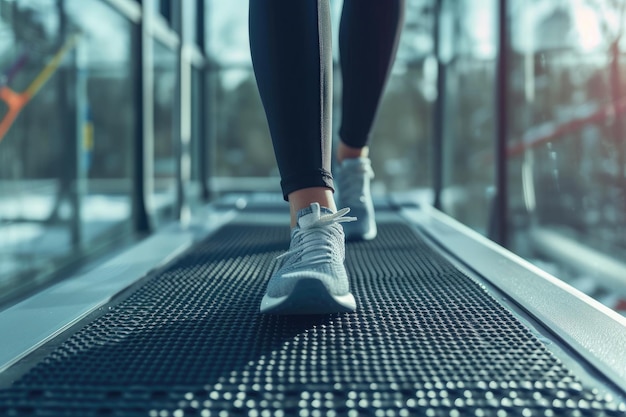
{"x":188,"y":340}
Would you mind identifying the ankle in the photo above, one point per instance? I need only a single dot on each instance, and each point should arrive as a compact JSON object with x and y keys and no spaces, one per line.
{"x":347,"y":152}
{"x":303,"y":198}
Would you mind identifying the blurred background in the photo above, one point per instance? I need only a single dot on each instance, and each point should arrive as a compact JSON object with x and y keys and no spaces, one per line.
{"x":118,"y":117}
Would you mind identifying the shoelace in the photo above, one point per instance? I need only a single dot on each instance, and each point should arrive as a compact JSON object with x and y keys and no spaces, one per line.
{"x":351,"y":190}
{"x":310,"y":239}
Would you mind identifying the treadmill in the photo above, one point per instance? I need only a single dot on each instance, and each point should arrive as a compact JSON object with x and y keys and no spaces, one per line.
{"x":447,"y":324}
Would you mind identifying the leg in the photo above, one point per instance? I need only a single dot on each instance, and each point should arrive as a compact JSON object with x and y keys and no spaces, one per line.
{"x":368,"y":39}
{"x":290,"y":43}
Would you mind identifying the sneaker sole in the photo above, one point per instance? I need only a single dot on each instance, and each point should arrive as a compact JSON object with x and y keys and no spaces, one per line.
{"x":309,"y":296}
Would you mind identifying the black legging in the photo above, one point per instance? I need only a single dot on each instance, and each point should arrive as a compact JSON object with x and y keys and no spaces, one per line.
{"x":290,"y":41}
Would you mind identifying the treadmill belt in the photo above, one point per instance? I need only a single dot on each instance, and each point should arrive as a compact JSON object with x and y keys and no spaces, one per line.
{"x":426,"y":340}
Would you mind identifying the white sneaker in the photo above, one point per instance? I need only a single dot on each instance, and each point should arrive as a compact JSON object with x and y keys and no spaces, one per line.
{"x":312,"y":279}
{"x":353,"y":190}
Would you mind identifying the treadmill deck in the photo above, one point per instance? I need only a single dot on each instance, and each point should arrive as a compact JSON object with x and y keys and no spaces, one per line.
{"x":426,"y":339}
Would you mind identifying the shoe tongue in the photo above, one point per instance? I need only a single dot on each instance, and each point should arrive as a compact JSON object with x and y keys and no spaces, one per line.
{"x":311,"y":215}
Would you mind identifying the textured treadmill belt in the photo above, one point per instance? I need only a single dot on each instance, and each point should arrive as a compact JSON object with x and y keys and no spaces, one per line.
{"x":426,"y":340}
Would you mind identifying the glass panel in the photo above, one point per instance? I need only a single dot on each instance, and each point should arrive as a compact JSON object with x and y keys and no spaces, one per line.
{"x":189,"y":29}
{"x":105,"y":118}
{"x":243,"y":145}
{"x":567,"y":152}
{"x":64,"y":160}
{"x":227,"y":32}
{"x":31,"y":177}
{"x":165,"y":166}
{"x":470,"y":41}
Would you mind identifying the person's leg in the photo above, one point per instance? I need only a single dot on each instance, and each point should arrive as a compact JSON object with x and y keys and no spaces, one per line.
{"x":291,"y":54}
{"x":368,"y":39}
{"x":290,"y":42}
